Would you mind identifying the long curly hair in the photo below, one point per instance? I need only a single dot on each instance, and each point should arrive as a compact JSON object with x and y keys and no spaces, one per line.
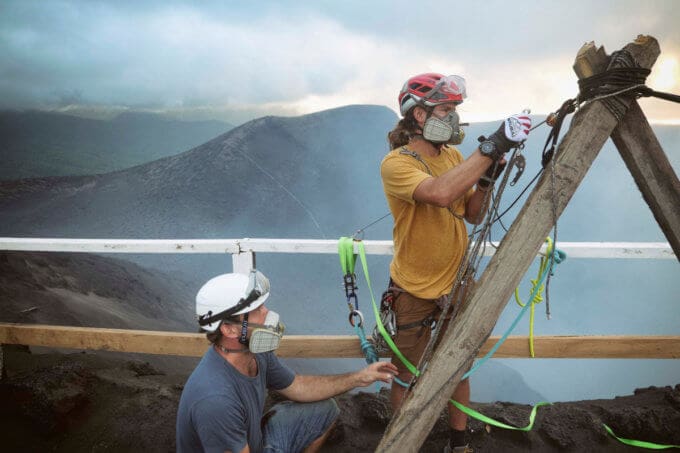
{"x":406,"y":128}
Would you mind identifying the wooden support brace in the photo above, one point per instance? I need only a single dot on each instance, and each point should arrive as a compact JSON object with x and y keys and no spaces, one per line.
{"x":590,"y":128}
{"x":642,"y":153}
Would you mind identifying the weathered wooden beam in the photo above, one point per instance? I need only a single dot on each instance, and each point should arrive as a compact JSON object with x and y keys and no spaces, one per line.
{"x":331,"y":346}
{"x":590,"y":128}
{"x":643,"y":155}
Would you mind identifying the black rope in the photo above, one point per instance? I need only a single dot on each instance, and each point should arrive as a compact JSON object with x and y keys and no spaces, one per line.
{"x":625,"y":78}
{"x":360,"y":231}
{"x":569,"y":106}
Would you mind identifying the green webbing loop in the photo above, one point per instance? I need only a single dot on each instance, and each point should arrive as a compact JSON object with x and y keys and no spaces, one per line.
{"x":376,"y":312}
{"x":347,"y":256}
{"x":639,"y":443}
{"x":558,"y":256}
{"x":483,"y":418}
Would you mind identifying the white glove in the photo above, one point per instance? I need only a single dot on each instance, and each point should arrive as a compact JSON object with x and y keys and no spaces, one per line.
{"x":510,"y":134}
{"x":517,"y":127}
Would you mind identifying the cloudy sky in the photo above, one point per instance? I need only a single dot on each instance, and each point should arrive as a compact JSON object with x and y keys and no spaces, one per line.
{"x":240,"y":60}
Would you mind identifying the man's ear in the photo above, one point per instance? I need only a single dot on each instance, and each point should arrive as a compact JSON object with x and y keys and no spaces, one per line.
{"x":420,"y":115}
{"x":230,"y":330}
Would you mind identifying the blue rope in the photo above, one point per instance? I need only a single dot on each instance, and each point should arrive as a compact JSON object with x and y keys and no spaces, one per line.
{"x":366,"y":346}
{"x":558,"y":257}
{"x":368,"y":349}
{"x":493,"y":350}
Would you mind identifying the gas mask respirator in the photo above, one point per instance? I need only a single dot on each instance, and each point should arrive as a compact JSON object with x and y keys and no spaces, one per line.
{"x":444,"y":130}
{"x":267,"y":336}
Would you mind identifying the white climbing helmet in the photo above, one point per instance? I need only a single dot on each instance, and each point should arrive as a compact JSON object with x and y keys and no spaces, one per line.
{"x":229,"y":295}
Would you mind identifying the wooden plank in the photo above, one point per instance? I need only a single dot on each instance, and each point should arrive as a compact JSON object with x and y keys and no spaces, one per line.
{"x":590,"y":128}
{"x":331,"y":346}
{"x":641,"y":151}
{"x":638,"y":250}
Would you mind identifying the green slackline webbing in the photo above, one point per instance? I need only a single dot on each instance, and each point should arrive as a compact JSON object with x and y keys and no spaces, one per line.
{"x":558,"y":257}
{"x":639,"y":443}
{"x":376,"y":313}
{"x":381,"y":328}
{"x":483,"y":418}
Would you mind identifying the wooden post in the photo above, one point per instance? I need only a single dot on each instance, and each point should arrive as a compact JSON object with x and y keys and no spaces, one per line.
{"x":643,"y":155}
{"x":590,"y":128}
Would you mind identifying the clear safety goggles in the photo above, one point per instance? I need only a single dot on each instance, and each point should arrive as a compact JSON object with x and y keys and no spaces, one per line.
{"x":446,"y":87}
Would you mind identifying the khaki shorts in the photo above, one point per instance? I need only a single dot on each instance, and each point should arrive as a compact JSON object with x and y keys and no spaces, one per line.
{"x":413,"y":341}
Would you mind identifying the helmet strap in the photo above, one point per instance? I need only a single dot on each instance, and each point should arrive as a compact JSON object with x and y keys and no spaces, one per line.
{"x":209,"y":317}
{"x":244,"y":330}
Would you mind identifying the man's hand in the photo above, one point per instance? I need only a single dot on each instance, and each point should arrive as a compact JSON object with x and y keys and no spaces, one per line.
{"x":377,"y":371}
{"x":305,"y":389}
{"x":512,"y":131}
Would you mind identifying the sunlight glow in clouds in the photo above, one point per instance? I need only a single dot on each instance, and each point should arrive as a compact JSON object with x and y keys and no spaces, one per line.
{"x":666,"y":74}
{"x":181,"y":56}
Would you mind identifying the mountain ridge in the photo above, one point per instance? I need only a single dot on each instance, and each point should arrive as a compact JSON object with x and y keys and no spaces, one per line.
{"x":36,"y":143}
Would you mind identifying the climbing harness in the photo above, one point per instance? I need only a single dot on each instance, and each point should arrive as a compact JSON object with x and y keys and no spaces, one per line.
{"x":413,"y":370}
{"x":388,"y":318}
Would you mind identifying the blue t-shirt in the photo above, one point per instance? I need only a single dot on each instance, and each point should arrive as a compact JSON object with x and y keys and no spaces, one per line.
{"x":221,"y":409}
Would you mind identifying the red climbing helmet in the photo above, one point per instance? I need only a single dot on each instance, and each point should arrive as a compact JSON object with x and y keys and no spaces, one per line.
{"x":431,"y":89}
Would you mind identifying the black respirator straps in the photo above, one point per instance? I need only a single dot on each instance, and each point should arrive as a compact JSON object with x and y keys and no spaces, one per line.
{"x":244,"y":330}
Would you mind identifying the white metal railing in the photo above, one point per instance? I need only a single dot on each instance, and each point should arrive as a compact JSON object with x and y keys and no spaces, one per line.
{"x":242,"y":249}
{"x":643,"y":250}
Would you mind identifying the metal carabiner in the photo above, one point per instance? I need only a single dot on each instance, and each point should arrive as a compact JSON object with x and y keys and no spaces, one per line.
{"x":350,"y":285}
{"x":356,"y":313}
{"x":520,"y":162}
{"x":352,"y":302}
{"x":389,"y":320}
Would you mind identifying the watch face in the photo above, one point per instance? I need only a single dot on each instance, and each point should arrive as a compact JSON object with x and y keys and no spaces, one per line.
{"x":487,"y":148}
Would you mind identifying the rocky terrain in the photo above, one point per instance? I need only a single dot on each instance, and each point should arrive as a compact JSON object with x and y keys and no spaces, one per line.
{"x":91,"y":402}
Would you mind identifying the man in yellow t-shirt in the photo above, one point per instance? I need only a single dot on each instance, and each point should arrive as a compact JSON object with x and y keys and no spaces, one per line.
{"x":431,"y":189}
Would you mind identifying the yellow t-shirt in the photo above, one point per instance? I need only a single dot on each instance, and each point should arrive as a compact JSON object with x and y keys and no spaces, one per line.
{"x":429,"y":242}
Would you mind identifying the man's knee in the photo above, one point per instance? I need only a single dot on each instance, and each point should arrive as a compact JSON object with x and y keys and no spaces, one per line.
{"x":331,"y":408}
